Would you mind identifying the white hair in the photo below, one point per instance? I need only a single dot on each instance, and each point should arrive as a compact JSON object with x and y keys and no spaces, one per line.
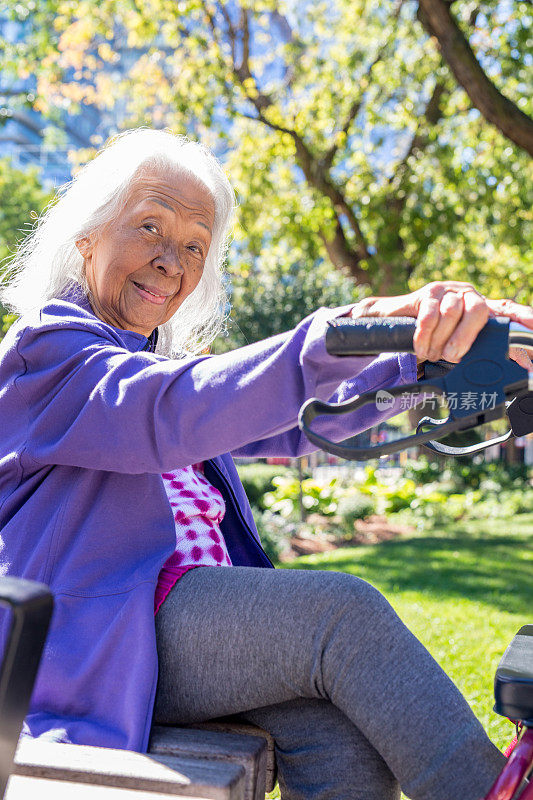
{"x":49,"y":265}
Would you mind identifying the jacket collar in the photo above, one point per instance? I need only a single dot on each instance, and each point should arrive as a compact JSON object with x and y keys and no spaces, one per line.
{"x":134,"y":342}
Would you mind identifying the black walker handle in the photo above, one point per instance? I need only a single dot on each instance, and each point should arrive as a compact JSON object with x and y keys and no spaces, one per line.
{"x":370,"y":336}
{"x":485,"y":370}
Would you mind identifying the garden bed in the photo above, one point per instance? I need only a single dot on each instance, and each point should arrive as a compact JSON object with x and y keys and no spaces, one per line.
{"x":374,"y":529}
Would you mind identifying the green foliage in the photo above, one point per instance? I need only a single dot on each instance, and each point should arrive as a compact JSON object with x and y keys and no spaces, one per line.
{"x":355,"y":506}
{"x":489,"y":475}
{"x":265,"y":303}
{"x":422,"y":470}
{"x":504,"y":503}
{"x":345,"y":135}
{"x":317,"y":498}
{"x":275,"y":533}
{"x":257,"y":480}
{"x":22,"y":199}
{"x":423,"y":494}
{"x":352,"y":507}
{"x":389,"y":499}
{"x":468,"y":490}
{"x":6,"y":320}
{"x":463,"y":473}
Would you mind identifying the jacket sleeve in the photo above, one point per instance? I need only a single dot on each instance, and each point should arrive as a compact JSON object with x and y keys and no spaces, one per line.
{"x":385,"y":371}
{"x":91,"y":403}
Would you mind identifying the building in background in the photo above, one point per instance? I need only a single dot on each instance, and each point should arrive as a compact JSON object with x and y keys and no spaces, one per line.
{"x":31,"y":140}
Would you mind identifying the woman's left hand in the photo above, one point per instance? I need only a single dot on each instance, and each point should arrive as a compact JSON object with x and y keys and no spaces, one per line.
{"x":516,"y":313}
{"x":449,"y":316}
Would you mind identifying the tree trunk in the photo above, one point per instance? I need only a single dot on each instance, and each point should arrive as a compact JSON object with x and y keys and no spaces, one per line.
{"x":343,"y":257}
{"x":436,"y":17}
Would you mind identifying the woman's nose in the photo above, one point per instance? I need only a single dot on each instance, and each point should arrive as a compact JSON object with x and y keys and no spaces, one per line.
{"x":169,"y":262}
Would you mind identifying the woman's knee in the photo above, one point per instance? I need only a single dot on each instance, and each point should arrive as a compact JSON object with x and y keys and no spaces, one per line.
{"x":352,"y":595}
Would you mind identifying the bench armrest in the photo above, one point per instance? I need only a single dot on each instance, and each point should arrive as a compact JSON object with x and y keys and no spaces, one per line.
{"x":31,"y":606}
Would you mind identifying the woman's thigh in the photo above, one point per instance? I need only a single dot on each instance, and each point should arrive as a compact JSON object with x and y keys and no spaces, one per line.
{"x":247,"y":640}
{"x":234,"y":639}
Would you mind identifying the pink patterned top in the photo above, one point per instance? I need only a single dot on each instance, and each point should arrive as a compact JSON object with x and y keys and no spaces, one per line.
{"x":198,"y":511}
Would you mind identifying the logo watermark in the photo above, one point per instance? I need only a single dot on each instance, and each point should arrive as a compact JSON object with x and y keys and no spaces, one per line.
{"x":464,"y":401}
{"x":384,"y":400}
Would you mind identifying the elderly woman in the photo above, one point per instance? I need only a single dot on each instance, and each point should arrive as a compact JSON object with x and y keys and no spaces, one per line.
{"x":116,"y":488}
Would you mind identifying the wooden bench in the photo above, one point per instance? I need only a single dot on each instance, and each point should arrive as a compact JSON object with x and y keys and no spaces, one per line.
{"x":216,"y":760}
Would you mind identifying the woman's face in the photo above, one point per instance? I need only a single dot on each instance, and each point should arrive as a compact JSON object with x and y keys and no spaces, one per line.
{"x":151,"y":257}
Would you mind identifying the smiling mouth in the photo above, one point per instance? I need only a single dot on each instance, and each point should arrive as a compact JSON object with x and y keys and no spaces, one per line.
{"x":149,"y":294}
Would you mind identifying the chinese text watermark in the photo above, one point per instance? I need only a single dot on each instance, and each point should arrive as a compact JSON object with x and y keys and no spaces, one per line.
{"x":464,"y":401}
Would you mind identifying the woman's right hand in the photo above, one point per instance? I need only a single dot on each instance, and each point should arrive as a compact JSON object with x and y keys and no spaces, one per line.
{"x":449,"y":316}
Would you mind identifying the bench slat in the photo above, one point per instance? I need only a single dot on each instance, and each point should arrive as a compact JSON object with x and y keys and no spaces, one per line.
{"x":20,"y":787}
{"x":128,"y":770}
{"x":227,"y":725}
{"x":248,"y":751}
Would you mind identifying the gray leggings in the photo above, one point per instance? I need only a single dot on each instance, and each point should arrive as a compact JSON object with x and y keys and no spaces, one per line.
{"x":356,"y":705}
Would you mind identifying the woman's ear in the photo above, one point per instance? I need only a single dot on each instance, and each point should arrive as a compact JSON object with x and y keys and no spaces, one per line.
{"x":85,"y":246}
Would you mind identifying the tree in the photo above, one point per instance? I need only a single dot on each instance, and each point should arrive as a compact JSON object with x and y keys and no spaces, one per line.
{"x":437,"y":18}
{"x":22,"y":199}
{"x":340,"y":125}
{"x":265,"y":302}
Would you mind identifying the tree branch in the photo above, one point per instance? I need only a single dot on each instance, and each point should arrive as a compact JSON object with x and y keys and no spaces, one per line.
{"x":28,"y":121}
{"x":4,"y":92}
{"x":231,"y":29}
{"x":342,"y":255}
{"x":243,"y":72}
{"x":432,"y":114}
{"x":273,"y":125}
{"x":394,"y":202}
{"x":497,"y":109}
{"x":287,"y":34}
{"x":226,"y":88}
{"x":245,"y":37}
{"x":314,"y":171}
{"x":282,"y":24}
{"x":327,"y":160}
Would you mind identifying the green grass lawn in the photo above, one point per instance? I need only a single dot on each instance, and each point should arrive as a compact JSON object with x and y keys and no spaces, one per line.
{"x":464,"y":590}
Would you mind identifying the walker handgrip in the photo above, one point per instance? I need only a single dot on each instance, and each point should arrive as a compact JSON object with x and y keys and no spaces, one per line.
{"x":370,"y":336}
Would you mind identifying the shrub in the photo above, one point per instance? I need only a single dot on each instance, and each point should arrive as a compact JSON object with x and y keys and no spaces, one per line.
{"x":353,"y":507}
{"x":462,"y":474}
{"x":389,"y":499}
{"x":257,"y":480}
{"x":455,"y":492}
{"x":275,"y":533}
{"x":422,"y":470}
{"x":506,"y":503}
{"x":472,"y":475}
{"x":317,"y":498}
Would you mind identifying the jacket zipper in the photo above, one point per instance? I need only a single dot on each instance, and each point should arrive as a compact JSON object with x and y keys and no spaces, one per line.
{"x":237,"y":507}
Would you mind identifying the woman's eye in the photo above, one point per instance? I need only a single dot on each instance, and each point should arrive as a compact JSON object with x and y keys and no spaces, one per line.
{"x":196,"y":249}
{"x":149,"y":226}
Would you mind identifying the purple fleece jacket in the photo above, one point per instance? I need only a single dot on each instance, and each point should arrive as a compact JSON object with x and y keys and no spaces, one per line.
{"x":89,"y":421}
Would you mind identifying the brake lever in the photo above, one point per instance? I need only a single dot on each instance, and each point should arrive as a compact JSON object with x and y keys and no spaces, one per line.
{"x":486,"y":379}
{"x":519,"y":412}
{"x":431,"y":370}
{"x":466,"y":450}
